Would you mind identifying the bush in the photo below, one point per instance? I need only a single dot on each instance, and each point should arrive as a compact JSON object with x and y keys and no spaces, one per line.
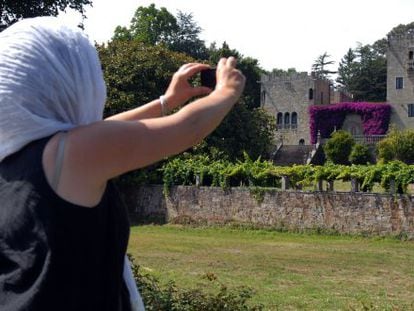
{"x":398,"y":145}
{"x":360,"y":154}
{"x":338,"y":148}
{"x":170,"y":297}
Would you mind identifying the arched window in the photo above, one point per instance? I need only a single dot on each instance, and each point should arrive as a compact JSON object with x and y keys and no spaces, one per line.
{"x":279,"y":121}
{"x":294,"y":120}
{"x":301,"y":141}
{"x":310,"y":94}
{"x":287,"y":120}
{"x":263,"y":97}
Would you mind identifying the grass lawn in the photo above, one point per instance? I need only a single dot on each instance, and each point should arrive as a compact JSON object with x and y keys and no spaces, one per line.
{"x":288,"y":271}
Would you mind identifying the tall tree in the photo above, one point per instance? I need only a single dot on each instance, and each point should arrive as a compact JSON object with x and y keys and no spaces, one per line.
{"x":346,"y":70}
{"x":363,"y":71}
{"x":186,"y":39}
{"x":154,"y":26}
{"x":151,"y":26}
{"x":12,"y":10}
{"x":320,"y":66}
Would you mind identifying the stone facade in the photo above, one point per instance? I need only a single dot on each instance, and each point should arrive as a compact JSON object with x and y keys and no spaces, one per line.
{"x":400,"y":80}
{"x":353,"y":124}
{"x":354,"y":213}
{"x":288,"y":97}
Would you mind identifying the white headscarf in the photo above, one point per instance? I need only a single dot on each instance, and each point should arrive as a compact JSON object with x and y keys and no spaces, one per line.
{"x":50,"y":80}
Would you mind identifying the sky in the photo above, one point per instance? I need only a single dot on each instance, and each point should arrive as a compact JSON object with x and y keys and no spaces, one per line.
{"x":280,"y":34}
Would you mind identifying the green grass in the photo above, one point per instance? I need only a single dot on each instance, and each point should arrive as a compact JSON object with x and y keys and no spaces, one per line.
{"x":288,"y":271}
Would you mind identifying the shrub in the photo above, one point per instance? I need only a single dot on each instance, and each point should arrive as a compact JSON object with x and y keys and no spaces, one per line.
{"x":170,"y":297}
{"x":398,"y":145}
{"x":360,"y":154}
{"x":338,"y":148}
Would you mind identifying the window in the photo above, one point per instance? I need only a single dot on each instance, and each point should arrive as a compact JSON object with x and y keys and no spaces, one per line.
{"x":410,"y":55}
{"x":294,"y":120}
{"x":263,"y":97}
{"x":287,"y":120}
{"x":301,"y":141}
{"x":279,"y":121}
{"x":399,"y":83}
{"x":310,"y":94}
{"x":411,"y":110}
{"x":321,"y":98}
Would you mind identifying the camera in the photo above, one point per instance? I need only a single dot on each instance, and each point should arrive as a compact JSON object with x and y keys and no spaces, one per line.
{"x":208,"y":78}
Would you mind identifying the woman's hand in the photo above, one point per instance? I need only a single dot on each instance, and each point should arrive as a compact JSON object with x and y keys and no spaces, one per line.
{"x":230,"y":81}
{"x":179,"y":91}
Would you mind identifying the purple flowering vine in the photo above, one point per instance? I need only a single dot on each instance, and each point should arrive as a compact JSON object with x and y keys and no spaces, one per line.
{"x":375,"y":118}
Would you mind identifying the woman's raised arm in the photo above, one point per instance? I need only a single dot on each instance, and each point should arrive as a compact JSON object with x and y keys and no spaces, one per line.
{"x":178,"y":92}
{"x":103,"y":150}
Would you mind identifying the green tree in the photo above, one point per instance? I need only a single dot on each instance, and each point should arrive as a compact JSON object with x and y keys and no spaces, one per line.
{"x":402,"y":29}
{"x":320,"y":66}
{"x":398,"y":145}
{"x":363,"y":72}
{"x":347,"y":70}
{"x":338,"y":148}
{"x":244,"y":130}
{"x":186,"y":39}
{"x":12,"y":10}
{"x":136,"y":73}
{"x":150,"y":25}
{"x":154,"y":26}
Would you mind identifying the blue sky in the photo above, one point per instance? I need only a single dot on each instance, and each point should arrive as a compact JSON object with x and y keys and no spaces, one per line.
{"x":280,"y":34}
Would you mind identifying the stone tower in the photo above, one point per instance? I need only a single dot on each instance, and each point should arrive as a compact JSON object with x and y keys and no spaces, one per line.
{"x":287,"y":96}
{"x":400,"y":79}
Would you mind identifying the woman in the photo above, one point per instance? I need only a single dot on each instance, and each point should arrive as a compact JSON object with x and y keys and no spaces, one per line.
{"x":63,"y":231}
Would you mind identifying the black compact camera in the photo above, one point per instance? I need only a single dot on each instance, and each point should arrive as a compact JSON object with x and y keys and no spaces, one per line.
{"x":208,"y":78}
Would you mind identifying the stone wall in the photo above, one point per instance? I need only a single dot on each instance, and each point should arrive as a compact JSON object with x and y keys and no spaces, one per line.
{"x":354,"y":213}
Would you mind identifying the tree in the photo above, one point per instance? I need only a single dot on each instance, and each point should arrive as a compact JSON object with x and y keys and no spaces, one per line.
{"x":186,"y":39}
{"x":347,"y":70}
{"x":402,"y":30}
{"x":363,"y":72}
{"x":136,"y":73}
{"x":154,"y":26}
{"x":244,"y":130}
{"x":320,"y":64}
{"x":150,"y":25}
{"x":338,"y":148}
{"x":12,"y":10}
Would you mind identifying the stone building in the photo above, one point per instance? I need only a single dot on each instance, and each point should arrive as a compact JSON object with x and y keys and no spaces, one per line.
{"x":400,"y":79}
{"x":288,"y":97}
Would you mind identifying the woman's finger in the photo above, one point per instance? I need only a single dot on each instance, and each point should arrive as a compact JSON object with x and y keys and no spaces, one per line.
{"x":231,"y":61}
{"x":221,"y":62}
{"x":192,"y":70}
{"x":185,"y":66}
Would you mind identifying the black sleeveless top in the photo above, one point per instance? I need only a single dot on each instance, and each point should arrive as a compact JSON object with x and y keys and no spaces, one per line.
{"x":55,"y":255}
